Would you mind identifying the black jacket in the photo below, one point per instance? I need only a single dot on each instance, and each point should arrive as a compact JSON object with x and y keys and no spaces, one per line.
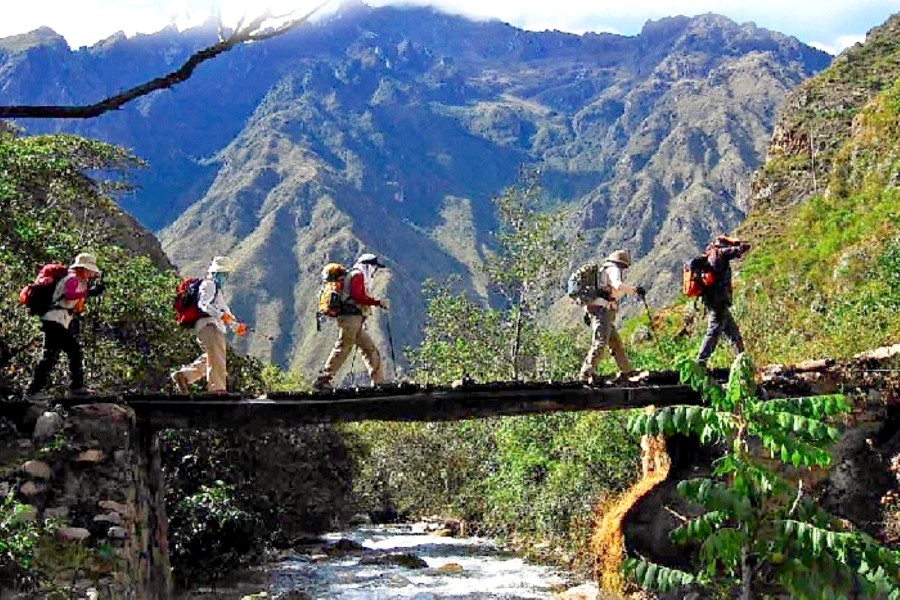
{"x":718,"y":295}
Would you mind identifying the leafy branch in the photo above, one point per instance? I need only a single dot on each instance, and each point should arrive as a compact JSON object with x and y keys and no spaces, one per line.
{"x":758,"y":527}
{"x":254,"y":31}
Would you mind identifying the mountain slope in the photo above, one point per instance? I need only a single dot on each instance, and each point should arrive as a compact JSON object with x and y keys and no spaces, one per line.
{"x":824,"y":279}
{"x":390,"y":130}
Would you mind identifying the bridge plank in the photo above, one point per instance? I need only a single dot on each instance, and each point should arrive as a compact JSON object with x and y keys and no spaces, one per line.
{"x":435,"y":405}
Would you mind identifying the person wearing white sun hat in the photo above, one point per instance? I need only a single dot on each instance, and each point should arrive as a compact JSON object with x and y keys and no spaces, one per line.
{"x":600,"y":314}
{"x":210,"y":330}
{"x":351,"y":324}
{"x":66,"y":303}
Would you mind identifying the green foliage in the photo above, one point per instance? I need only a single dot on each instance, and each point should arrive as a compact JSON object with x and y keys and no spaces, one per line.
{"x":55,"y":192}
{"x":20,"y":534}
{"x":758,"y":532}
{"x":823,"y":279}
{"x":537,"y":476}
{"x":657,"y":577}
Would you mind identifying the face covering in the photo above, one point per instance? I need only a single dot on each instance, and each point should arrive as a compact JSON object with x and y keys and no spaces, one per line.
{"x":220,"y":278}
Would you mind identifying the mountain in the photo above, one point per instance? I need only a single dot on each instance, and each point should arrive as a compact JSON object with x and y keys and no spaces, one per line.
{"x":390,"y":130}
{"x":824,"y":279}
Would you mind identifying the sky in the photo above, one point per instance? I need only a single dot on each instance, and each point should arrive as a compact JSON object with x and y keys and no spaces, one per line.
{"x":830,"y":25}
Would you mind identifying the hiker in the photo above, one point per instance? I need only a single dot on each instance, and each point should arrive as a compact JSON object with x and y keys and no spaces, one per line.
{"x":351,"y":324}
{"x":600,"y":314}
{"x":210,"y":328}
{"x":59,"y":324}
{"x":717,"y":297}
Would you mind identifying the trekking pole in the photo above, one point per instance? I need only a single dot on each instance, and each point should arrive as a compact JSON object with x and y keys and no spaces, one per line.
{"x":650,"y":322}
{"x":387,"y":322}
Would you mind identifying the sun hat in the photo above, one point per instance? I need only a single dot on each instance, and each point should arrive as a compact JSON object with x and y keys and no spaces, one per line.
{"x":85,"y":261}
{"x":221,"y":264}
{"x":620,"y":256}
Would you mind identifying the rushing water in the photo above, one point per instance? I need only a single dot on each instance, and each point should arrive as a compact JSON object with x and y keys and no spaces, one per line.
{"x":486,"y":573}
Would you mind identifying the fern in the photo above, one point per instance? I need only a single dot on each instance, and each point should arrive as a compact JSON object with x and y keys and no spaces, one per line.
{"x":656,"y":577}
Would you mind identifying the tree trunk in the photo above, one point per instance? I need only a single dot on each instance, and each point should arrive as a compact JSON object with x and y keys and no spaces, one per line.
{"x":517,"y":332}
{"x":746,"y":574}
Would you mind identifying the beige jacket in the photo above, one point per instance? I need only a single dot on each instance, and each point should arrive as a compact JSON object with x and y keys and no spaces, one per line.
{"x":612,"y":277}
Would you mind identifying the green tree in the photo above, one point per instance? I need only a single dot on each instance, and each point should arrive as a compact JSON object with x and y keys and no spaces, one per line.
{"x":528,"y":257}
{"x":760,"y":533}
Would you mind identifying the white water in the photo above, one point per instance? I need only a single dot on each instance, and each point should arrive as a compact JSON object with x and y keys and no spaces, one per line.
{"x":487,"y":573}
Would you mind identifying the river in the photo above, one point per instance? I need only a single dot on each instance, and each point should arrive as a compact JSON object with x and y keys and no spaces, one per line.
{"x":457,"y":568}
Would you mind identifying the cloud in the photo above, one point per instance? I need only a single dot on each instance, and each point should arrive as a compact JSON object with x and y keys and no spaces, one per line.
{"x":87,"y":21}
{"x":838,"y":45}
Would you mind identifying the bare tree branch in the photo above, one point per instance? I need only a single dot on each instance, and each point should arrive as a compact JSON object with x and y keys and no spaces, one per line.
{"x":250,"y":33}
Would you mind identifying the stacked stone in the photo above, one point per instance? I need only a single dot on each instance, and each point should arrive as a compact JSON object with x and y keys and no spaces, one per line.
{"x":91,"y":477}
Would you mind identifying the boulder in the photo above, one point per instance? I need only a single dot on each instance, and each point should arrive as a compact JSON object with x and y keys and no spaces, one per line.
{"x":92,"y":456}
{"x":30,"y":488}
{"x":450,"y":568}
{"x":343,"y":546}
{"x":47,"y":426}
{"x":587,"y":591}
{"x":37,"y":469}
{"x":405,"y":559}
{"x":73,"y":534}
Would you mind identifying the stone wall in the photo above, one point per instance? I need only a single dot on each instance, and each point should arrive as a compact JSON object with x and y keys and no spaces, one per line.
{"x":97,"y":477}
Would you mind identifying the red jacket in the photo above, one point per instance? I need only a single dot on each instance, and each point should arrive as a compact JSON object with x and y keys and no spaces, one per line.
{"x":358,"y":293}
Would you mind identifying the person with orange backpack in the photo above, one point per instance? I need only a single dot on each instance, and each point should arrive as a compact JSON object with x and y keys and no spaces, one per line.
{"x":350,"y":304}
{"x":57,"y":296}
{"x":714,"y":289}
{"x":200,"y":305}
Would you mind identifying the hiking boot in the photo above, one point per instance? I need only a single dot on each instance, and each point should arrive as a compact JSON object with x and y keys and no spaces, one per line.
{"x":322,"y":384}
{"x":179,"y":380}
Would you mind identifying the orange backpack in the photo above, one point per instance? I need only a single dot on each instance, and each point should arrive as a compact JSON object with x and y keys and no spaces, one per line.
{"x":333,"y":293}
{"x":696,"y":276}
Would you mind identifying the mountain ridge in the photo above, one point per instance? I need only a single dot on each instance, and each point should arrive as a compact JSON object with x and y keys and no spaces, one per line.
{"x":401,"y":124}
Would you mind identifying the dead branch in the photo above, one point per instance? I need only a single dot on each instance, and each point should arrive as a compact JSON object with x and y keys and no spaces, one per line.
{"x":242,"y":34}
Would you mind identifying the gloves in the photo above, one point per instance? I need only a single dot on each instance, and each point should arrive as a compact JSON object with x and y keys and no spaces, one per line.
{"x":96,"y":289}
{"x":640,"y":291}
{"x":383,"y":304}
{"x":240,"y":329}
{"x":227,"y":319}
{"x":587,"y":319}
{"x":727,"y":241}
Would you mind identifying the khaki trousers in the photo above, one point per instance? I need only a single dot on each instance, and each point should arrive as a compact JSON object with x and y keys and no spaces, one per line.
{"x":604,"y":334}
{"x":351,"y":331}
{"x":210,"y":364}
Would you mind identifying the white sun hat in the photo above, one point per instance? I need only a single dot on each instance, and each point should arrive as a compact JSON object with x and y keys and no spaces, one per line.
{"x":85,"y":261}
{"x":221,"y":264}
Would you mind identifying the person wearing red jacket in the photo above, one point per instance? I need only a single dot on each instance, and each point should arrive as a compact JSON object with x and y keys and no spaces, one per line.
{"x":57,"y":326}
{"x":351,"y":324}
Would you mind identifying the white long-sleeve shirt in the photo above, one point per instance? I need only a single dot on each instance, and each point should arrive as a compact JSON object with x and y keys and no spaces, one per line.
{"x":612,"y":278}
{"x":212,"y":302}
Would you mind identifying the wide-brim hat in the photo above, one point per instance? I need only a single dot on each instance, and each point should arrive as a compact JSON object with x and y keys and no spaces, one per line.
{"x":221,"y":264}
{"x":620,"y":256}
{"x":370,"y":259}
{"x":87,"y":262}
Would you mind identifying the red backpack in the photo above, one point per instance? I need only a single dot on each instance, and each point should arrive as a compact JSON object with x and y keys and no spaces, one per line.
{"x":187,"y":313}
{"x":37,"y":297}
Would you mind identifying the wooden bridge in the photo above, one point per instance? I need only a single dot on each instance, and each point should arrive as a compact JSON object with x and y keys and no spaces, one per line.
{"x":392,"y":402}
